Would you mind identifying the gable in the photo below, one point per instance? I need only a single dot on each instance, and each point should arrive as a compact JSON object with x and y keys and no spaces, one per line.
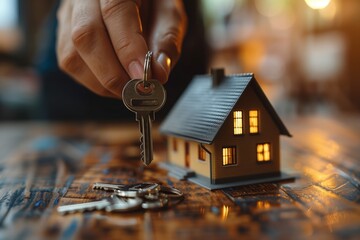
{"x":248,"y":102}
{"x":202,"y":109}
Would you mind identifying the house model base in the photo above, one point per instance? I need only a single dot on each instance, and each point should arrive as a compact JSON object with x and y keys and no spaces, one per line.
{"x":224,"y":132}
{"x":186,"y":174}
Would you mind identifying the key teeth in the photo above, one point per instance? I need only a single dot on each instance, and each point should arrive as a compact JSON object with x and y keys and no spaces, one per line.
{"x":142,"y":148}
{"x":142,"y":153}
{"x":97,"y":187}
{"x":143,"y":158}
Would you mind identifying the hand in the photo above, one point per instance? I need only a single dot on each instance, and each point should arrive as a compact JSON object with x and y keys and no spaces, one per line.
{"x":102,"y":43}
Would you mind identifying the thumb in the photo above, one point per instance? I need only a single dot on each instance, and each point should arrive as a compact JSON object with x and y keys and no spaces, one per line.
{"x":167,"y":36}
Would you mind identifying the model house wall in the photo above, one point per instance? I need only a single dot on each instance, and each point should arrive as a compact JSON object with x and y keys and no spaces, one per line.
{"x":186,"y":154}
{"x":246,"y":143}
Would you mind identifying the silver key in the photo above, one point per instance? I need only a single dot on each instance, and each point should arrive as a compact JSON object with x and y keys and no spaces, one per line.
{"x":130,"y":190}
{"x":159,"y":202}
{"x":144,"y":97}
{"x":107,"y":186}
{"x":112,"y":203}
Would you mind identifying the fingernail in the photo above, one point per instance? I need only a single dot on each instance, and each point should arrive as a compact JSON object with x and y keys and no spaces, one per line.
{"x":136,"y":71}
{"x":165,"y":63}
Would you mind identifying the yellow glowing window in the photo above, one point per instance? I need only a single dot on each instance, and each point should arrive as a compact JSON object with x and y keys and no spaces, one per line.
{"x":263,"y":152}
{"x":202,"y":153}
{"x":238,"y":123}
{"x":254,"y":121}
{"x":229,"y":157}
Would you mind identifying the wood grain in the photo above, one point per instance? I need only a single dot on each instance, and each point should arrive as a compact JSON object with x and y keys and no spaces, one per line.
{"x":45,"y":165}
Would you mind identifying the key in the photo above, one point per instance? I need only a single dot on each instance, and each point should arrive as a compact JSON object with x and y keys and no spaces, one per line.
{"x":130,"y":190}
{"x":139,"y":190}
{"x":159,"y":202}
{"x":107,"y":186}
{"x":144,"y":97}
{"x":112,"y":203}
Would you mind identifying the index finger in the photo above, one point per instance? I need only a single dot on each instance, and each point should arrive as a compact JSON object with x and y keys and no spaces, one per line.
{"x":122,"y":20}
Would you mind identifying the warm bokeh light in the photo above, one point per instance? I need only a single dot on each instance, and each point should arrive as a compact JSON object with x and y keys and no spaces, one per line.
{"x":317,"y":4}
{"x":263,"y":205}
{"x":329,"y":12}
{"x":270,"y":8}
{"x":225,"y":212}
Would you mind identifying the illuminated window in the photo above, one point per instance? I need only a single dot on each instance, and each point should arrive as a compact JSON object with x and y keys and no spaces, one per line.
{"x":202,"y":153}
{"x":254,"y":121}
{"x":263,"y":152}
{"x":229,"y":157}
{"x":174,"y":143}
{"x":238,"y":123}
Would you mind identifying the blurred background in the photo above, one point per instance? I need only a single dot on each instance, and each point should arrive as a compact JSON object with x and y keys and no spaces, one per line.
{"x":305,"y":53}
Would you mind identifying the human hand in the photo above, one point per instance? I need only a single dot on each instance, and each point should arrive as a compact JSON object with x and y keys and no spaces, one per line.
{"x":102,"y":43}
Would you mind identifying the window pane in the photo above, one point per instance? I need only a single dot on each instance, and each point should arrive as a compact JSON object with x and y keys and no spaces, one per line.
{"x":238,"y":126}
{"x":266,"y":147}
{"x":263,"y":152}
{"x":253,"y":113}
{"x":254,"y":121}
{"x":229,"y":155}
{"x":202,"y":153}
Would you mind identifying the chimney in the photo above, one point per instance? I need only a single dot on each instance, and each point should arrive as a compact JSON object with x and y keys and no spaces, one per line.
{"x":218,"y":75}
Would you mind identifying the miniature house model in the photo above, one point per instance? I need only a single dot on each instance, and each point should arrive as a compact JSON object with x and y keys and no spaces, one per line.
{"x":224,"y":132}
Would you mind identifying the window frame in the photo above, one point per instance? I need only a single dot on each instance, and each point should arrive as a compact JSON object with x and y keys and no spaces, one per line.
{"x":257,"y":119}
{"x":233,"y":154}
{"x":263,"y":152}
{"x":201,"y":153}
{"x":237,"y":120}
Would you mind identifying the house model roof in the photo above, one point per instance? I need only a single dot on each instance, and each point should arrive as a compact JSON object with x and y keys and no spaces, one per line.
{"x":202,"y":109}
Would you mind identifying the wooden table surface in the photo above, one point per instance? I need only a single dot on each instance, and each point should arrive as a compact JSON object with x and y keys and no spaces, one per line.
{"x":45,"y":165}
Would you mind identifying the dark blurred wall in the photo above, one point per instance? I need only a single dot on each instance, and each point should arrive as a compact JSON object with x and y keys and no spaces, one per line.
{"x":32,"y":14}
{"x":351,"y":30}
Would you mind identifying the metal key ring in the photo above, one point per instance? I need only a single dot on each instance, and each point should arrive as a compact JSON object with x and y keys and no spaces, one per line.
{"x":171,"y":192}
{"x":165,"y":192}
{"x":139,"y":190}
{"x":147,"y":65}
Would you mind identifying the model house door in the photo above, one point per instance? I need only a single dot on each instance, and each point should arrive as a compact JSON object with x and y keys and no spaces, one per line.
{"x":187,"y":154}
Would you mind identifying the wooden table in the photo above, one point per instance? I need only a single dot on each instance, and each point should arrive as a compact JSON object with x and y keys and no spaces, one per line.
{"x":45,"y":165}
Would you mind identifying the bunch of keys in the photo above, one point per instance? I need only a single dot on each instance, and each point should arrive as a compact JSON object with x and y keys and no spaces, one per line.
{"x":128,"y":197}
{"x":144,"y":97}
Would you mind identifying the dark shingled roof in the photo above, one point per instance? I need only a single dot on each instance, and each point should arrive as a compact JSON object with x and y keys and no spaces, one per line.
{"x":202,"y":109}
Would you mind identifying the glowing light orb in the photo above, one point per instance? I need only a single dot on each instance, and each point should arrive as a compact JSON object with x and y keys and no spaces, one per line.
{"x":317,"y":4}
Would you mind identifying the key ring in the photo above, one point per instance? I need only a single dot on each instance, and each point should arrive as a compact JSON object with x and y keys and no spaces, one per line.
{"x":138,"y":190}
{"x":147,"y":65}
{"x":171,"y":192}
